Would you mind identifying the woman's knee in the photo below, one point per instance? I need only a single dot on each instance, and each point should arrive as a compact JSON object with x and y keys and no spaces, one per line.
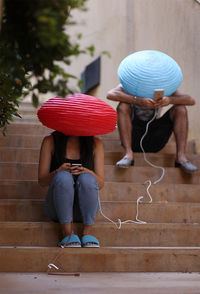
{"x":63,"y":178}
{"x":87,"y":180}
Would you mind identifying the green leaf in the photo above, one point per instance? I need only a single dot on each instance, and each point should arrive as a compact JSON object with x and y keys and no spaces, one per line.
{"x":107,"y":53}
{"x":35,"y":100}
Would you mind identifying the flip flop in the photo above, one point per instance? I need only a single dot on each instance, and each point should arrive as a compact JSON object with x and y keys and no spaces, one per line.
{"x":94,"y":243}
{"x":68,"y":242}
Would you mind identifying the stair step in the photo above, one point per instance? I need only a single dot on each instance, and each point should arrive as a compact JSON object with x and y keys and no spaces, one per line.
{"x":142,"y":174}
{"x":38,"y":129}
{"x":160,"y":159}
{"x":170,"y":148}
{"x":22,"y":141}
{"x":48,"y":234}
{"x":167,"y":242}
{"x":112,"y":191}
{"x":29,"y":128}
{"x":27,"y":118}
{"x":107,"y":259}
{"x":34,"y":141}
{"x":31,"y":138}
{"x":28,"y":171}
{"x":13,"y":154}
{"x":31,"y":210}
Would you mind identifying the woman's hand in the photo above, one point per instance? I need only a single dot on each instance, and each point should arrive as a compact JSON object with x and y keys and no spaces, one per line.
{"x":77,"y":170}
{"x":64,"y":166}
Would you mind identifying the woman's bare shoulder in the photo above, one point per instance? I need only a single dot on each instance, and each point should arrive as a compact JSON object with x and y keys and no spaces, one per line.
{"x":48,"y":142}
{"x":98,"y":143}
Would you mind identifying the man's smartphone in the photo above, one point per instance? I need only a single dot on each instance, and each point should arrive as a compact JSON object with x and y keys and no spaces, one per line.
{"x":158,"y":94}
{"x":74,"y":164}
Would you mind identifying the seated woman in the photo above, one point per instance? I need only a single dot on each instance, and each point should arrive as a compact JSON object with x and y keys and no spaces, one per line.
{"x":73,"y":168}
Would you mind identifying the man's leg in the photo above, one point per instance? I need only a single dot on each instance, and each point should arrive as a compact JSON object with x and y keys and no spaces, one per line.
{"x":125,"y":130}
{"x":180,"y":119}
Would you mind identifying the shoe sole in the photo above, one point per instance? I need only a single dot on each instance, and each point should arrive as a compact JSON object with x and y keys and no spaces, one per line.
{"x":123,"y":166}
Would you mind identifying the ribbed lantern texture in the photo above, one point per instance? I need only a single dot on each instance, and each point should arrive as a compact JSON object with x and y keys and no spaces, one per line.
{"x":143,"y":72}
{"x":78,"y":115}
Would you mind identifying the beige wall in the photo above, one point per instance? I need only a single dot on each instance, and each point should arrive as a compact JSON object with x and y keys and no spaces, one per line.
{"x":173,"y":26}
{"x":104,"y":25}
{"x":126,"y":26}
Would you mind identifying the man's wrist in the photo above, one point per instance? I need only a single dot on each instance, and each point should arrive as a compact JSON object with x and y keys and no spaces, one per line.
{"x":135,"y":99}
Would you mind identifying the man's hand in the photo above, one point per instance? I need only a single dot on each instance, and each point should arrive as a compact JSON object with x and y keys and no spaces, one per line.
{"x":165,"y":101}
{"x":145,"y":102}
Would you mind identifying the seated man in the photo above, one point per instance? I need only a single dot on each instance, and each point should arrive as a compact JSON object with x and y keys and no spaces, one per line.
{"x":133,"y":115}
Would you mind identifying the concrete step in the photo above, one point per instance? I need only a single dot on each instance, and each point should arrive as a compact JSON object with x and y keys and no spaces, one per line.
{"x":22,"y":141}
{"x":48,"y":234}
{"x":13,"y":154}
{"x":107,"y":259}
{"x":34,"y":141}
{"x":28,"y":171}
{"x":38,"y":129}
{"x":142,"y":174}
{"x":27,"y":118}
{"x":160,"y":159}
{"x":26,"y":109}
{"x":27,"y":128}
{"x":170,"y":148}
{"x":31,"y":136}
{"x":112,"y":191}
{"x":172,"y":212}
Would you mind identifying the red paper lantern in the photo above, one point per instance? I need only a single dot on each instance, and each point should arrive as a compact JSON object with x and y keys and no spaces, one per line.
{"x":78,"y":115}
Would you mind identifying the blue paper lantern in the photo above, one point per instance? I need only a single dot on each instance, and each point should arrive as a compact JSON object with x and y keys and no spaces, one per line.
{"x":143,"y":72}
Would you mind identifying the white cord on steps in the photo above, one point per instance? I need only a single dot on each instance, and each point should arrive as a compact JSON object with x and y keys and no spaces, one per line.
{"x":119,"y":223}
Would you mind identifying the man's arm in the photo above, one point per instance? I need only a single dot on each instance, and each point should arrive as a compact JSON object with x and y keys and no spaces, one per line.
{"x":180,"y":98}
{"x":118,"y":94}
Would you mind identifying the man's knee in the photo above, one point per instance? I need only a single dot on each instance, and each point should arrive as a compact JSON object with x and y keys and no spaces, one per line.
{"x":124,"y":108}
{"x":179,"y":110}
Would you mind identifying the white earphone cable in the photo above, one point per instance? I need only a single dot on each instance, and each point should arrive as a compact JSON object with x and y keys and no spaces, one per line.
{"x":119,"y":223}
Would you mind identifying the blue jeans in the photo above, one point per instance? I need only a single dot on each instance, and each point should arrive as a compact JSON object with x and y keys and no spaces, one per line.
{"x":72,"y":198}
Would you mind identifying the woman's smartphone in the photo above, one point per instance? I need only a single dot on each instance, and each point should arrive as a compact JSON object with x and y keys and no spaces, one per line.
{"x":74,"y":164}
{"x":158,"y":94}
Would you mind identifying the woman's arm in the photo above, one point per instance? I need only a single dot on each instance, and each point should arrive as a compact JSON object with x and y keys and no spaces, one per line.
{"x":99,"y":162}
{"x":46,"y":151}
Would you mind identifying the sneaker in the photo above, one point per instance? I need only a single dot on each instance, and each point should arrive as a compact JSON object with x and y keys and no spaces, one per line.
{"x":125,"y":162}
{"x":186,"y":166}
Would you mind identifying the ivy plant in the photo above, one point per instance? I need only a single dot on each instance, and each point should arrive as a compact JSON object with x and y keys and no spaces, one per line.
{"x":33,"y":43}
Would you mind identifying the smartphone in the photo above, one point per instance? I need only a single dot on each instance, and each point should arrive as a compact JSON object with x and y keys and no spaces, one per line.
{"x":158,"y":94}
{"x":74,"y":164}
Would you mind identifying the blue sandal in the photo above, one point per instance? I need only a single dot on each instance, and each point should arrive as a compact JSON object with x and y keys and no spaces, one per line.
{"x":94,"y":243}
{"x":68,"y":242}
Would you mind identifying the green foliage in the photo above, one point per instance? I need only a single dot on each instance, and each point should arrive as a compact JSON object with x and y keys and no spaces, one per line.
{"x":33,"y":41}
